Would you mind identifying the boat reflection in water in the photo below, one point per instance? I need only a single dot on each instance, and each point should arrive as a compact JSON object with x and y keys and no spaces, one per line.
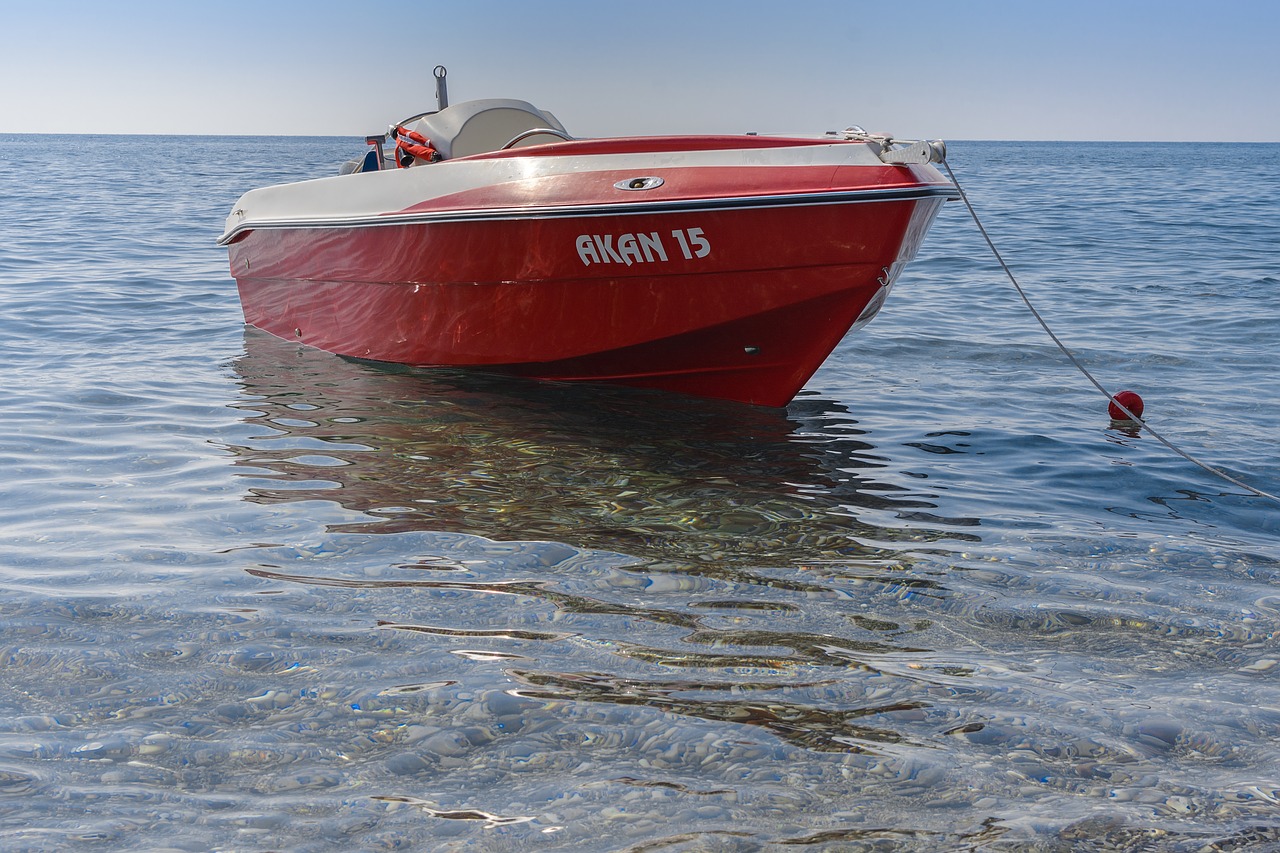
{"x":561,"y":604}
{"x":660,"y":477}
{"x":627,"y":551}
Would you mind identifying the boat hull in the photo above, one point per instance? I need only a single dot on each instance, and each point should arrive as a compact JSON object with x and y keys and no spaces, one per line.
{"x":564,"y":274}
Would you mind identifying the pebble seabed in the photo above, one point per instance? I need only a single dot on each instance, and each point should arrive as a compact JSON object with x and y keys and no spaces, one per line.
{"x":254,"y":597}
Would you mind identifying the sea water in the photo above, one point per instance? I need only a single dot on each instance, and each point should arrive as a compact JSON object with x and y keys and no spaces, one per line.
{"x":257,"y":597}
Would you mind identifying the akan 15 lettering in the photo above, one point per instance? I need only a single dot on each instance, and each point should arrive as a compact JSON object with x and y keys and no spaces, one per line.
{"x":640,"y":248}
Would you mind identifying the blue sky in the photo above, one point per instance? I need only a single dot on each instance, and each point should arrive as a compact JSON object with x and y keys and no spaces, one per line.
{"x":963,"y":69}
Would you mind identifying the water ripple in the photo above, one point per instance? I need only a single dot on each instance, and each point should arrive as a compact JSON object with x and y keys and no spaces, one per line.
{"x":259,"y":597}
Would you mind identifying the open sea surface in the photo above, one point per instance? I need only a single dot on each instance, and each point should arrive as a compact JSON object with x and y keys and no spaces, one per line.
{"x":256,"y":597}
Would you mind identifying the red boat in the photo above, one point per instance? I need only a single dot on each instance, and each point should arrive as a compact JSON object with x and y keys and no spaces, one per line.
{"x":721,"y":266}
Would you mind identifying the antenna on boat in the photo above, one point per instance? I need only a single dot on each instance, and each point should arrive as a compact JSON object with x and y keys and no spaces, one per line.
{"x":442,"y":88}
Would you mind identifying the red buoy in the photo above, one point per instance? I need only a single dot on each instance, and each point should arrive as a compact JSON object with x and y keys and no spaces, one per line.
{"x":1130,"y":400}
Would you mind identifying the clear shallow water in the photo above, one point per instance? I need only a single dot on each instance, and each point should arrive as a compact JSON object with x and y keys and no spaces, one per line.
{"x":256,"y":597}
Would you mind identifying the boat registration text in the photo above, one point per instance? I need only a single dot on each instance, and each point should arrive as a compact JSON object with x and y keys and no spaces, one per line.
{"x":640,"y":248}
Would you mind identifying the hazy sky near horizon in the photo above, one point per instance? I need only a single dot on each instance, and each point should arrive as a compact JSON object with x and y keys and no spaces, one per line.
{"x":978,"y":69}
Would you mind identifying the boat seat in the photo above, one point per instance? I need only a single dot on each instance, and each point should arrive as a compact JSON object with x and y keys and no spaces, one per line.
{"x":476,"y":127}
{"x":369,"y":162}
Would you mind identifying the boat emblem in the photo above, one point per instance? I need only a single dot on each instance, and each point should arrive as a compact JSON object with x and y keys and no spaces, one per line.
{"x":645,"y":183}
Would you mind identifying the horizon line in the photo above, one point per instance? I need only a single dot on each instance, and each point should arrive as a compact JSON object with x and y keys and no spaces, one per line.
{"x":361,"y":137}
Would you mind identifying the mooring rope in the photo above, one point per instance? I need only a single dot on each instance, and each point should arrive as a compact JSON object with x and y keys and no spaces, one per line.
{"x":1071,"y":356}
